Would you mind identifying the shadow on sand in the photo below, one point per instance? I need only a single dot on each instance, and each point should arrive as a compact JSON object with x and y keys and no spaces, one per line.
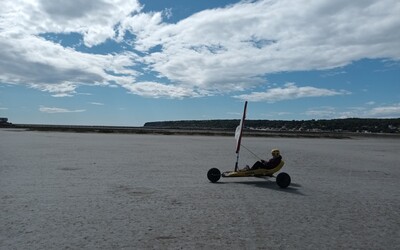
{"x":270,"y":184}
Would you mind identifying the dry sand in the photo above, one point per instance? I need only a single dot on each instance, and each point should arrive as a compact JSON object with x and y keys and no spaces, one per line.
{"x":105,"y":191}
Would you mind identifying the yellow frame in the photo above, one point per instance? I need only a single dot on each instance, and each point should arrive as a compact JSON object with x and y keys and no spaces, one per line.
{"x":257,"y":172}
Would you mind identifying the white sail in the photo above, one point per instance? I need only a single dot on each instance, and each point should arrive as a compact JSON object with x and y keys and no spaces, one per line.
{"x":238,"y":134}
{"x":239,"y":129}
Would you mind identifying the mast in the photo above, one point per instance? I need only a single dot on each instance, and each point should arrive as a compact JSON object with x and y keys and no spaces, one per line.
{"x":238,"y":135}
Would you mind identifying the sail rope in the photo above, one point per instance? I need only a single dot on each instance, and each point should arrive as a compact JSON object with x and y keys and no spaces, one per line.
{"x":251,"y":152}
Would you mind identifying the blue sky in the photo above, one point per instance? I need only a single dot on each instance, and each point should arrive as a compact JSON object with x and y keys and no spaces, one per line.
{"x":125,"y":62}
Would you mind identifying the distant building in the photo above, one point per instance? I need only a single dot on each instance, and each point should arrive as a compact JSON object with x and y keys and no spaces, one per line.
{"x":4,"y":122}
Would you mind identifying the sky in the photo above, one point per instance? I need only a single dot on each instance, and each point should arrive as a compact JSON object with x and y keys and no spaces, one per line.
{"x":127,"y":62}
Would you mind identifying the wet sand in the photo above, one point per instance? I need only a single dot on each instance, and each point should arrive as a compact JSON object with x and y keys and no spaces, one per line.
{"x":131,"y":191}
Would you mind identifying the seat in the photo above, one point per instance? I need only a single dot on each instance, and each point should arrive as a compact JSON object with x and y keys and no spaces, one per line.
{"x":257,"y":172}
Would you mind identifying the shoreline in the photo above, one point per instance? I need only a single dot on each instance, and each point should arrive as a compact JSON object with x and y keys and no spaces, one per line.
{"x":196,"y":131}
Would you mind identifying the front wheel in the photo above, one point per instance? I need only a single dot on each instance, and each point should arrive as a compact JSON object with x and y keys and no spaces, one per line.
{"x":214,"y":175}
{"x":283,"y":180}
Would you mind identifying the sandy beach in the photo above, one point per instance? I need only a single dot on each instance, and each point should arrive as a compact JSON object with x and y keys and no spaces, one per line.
{"x":132,"y":191}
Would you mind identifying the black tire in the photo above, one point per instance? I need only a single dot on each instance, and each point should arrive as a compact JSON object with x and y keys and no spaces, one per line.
{"x":214,"y":175}
{"x":283,"y":180}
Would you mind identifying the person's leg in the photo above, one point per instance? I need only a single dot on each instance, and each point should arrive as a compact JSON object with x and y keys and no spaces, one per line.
{"x":257,"y":165}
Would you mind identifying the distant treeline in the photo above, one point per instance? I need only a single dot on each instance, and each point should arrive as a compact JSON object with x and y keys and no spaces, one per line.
{"x":361,"y":125}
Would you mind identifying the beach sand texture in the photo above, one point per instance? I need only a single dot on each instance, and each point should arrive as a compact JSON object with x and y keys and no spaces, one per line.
{"x":129,"y":191}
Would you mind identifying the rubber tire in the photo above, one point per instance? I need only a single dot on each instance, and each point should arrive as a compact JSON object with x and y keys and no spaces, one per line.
{"x":283,"y":180}
{"x":214,"y":175}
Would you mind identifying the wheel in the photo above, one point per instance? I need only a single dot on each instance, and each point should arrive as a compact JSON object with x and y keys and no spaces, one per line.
{"x":283,"y":180}
{"x":214,"y":174}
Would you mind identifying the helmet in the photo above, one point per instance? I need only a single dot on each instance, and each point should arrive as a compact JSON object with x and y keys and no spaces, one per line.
{"x":275,"y":152}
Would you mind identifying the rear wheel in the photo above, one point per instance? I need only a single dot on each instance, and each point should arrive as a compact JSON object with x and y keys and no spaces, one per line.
{"x":283,"y":180}
{"x":214,"y":175}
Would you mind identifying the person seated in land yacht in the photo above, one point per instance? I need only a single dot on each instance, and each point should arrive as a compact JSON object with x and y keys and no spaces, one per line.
{"x":270,"y":164}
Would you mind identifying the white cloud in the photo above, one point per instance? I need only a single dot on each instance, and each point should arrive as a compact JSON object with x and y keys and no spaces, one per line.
{"x":391,"y":111}
{"x":54,"y":110}
{"x":214,"y":51}
{"x":50,"y":67}
{"x":28,"y":59}
{"x":59,"y":90}
{"x":283,"y":113}
{"x":322,"y":112}
{"x":94,"y":19}
{"x":97,"y":103}
{"x":289,"y":92}
{"x":231,"y":48}
{"x":333,"y":73}
{"x":157,"y":90}
{"x":388,"y":111}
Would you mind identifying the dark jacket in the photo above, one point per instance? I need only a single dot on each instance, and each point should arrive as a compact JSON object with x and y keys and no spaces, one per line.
{"x":270,"y":164}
